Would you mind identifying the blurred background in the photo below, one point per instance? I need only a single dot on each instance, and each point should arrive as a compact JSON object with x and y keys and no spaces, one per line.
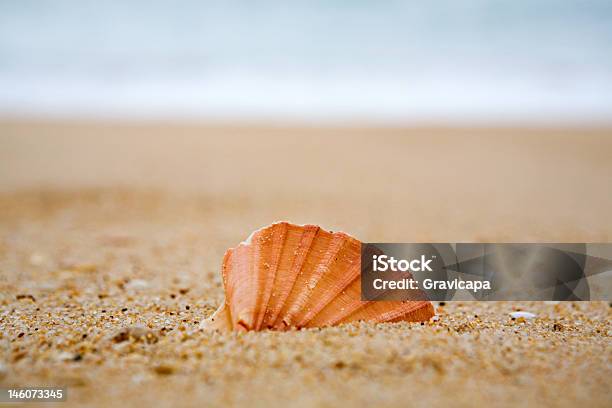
{"x":373,"y":62}
{"x":395,"y":120}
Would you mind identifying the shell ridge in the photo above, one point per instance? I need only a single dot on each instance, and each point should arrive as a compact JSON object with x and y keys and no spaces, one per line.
{"x":395,"y":313}
{"x":278,"y":243}
{"x":245,"y":285}
{"x":227,"y":284}
{"x":330,"y":295}
{"x":346,"y":301}
{"x":271,"y":306}
{"x":256,"y":241}
{"x":331,"y":256}
{"x":380,"y":312}
{"x":306,"y":240}
{"x":290,"y":247}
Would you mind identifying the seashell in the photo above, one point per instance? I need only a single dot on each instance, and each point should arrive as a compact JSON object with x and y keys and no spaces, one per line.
{"x":298,"y":276}
{"x":524,"y":315}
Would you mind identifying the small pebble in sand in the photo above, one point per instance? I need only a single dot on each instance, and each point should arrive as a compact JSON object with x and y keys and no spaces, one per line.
{"x":37,"y":259}
{"x":30,"y":297}
{"x":524,"y":315}
{"x":164,"y":369}
{"x":65,"y":356}
{"x":137,"y":284}
{"x":135,"y":333}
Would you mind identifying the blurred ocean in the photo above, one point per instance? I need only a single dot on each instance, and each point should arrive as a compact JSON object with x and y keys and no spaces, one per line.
{"x":313,"y":61}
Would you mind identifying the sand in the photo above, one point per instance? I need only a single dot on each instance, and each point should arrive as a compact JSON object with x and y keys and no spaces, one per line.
{"x":111,"y":237}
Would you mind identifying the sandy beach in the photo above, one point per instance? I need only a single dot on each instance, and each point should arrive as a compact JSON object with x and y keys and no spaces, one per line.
{"x":112,"y":235}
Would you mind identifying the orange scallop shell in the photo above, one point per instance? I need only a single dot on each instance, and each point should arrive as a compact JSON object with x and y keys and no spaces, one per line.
{"x":287,"y":275}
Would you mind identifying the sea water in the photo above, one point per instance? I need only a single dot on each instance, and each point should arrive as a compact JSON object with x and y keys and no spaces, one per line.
{"x":309,"y":61}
